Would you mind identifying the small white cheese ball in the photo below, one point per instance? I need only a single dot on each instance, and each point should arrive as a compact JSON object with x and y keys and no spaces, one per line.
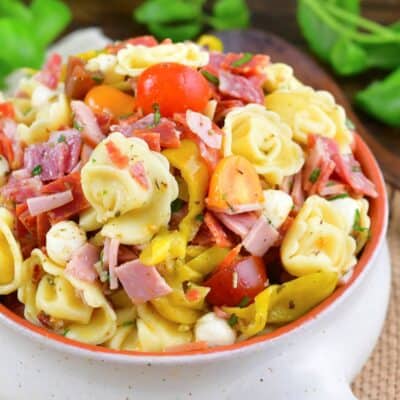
{"x":4,"y":170}
{"x":42,"y":95}
{"x":213,"y":330}
{"x":277,"y":206}
{"x":63,"y":239}
{"x":347,"y":207}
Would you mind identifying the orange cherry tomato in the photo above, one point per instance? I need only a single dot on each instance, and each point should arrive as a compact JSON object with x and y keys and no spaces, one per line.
{"x":174,"y":87}
{"x":109,"y":100}
{"x":241,"y":281}
{"x":234,"y":183}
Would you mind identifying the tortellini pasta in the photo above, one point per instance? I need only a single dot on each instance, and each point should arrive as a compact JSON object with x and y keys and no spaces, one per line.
{"x":130,"y":210}
{"x":280,"y":76}
{"x":318,"y":240}
{"x":134,"y":59}
{"x":266,"y":141}
{"x":106,"y":64}
{"x":311,"y":112}
{"x":10,"y":255}
{"x":355,"y":214}
{"x":77,"y":309}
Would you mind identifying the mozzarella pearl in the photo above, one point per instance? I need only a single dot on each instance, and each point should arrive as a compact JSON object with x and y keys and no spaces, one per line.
{"x":277,"y":206}
{"x":213,"y":330}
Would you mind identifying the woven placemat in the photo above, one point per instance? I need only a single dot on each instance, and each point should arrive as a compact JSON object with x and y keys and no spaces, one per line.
{"x":380,"y":378}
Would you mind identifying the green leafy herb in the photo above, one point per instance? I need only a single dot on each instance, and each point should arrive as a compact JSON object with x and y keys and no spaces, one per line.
{"x":97,"y":78}
{"x":382,"y":99}
{"x":314,"y":175}
{"x":200,"y":217}
{"x":61,"y":139}
{"x":157,"y":114}
{"x":357,"y":223}
{"x":65,"y":333}
{"x":182,"y":19}
{"x":244,"y":302}
{"x":177,"y":205}
{"x":27,"y":31}
{"x":233,"y":320}
{"x":210,"y":77}
{"x":77,"y":126}
{"x":37,"y":170}
{"x":339,"y":196}
{"x":127,"y":323}
{"x":242,"y":60}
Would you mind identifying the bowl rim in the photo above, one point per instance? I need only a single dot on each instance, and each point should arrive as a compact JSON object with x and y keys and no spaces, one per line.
{"x":379,"y":217}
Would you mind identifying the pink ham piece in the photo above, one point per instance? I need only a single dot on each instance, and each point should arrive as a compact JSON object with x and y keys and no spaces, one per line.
{"x":349,"y":169}
{"x":333,"y":188}
{"x":9,"y":127}
{"x":139,"y":174}
{"x":72,"y":138}
{"x":113,"y":248}
{"x":239,"y":87}
{"x":50,"y":74}
{"x":297,"y":192}
{"x":19,"y":189}
{"x":202,"y":126}
{"x":42,"y":204}
{"x":87,"y":123}
{"x":261,"y":237}
{"x":82,"y":263}
{"x":141,"y":282}
{"x":240,"y":224}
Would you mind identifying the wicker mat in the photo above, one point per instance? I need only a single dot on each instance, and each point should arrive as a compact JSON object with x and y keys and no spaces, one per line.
{"x":380,"y":378}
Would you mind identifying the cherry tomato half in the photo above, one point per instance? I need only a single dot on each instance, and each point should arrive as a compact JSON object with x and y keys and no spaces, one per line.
{"x":174,"y":87}
{"x":243,"y":279}
{"x":109,"y":100}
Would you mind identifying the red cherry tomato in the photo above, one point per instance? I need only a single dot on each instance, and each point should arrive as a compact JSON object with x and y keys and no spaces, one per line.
{"x":174,"y":87}
{"x":241,"y":280}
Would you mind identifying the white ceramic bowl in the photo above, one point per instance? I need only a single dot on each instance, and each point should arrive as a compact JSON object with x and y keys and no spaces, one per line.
{"x":315,"y":357}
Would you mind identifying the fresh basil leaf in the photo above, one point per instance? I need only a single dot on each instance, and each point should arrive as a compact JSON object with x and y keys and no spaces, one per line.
{"x":12,"y":8}
{"x":319,"y":35}
{"x":165,"y":11}
{"x":348,"y":58}
{"x":235,"y":22}
{"x":225,"y":8}
{"x":18,"y":48}
{"x":383,"y":55}
{"x":395,"y":27}
{"x":381,"y":99}
{"x":50,"y":18}
{"x":348,"y":5}
{"x":176,"y":32}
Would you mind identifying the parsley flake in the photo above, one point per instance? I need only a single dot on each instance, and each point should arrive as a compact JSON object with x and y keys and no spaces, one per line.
{"x":127,"y":323}
{"x":244,"y":302}
{"x":200,"y":217}
{"x":233,"y":320}
{"x":177,"y":205}
{"x":314,"y":175}
{"x":210,"y":77}
{"x":77,"y":126}
{"x":37,"y":170}
{"x":61,"y":139}
{"x":157,"y":114}
{"x":242,"y":60}
{"x":357,"y":223}
{"x":339,"y":196}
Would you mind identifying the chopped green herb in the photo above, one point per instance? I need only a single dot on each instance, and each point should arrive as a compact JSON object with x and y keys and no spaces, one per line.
{"x":200,"y":217}
{"x":233,"y":320}
{"x":50,"y":281}
{"x":242,"y":60}
{"x":357,"y":223}
{"x":65,"y":333}
{"x":77,"y":126}
{"x":104,"y":276}
{"x":244,"y":302}
{"x":127,"y":323}
{"x":93,"y":160}
{"x":157,"y":114}
{"x":177,"y":205}
{"x":350,"y":125}
{"x":125,"y":116}
{"x":339,"y":196}
{"x":210,"y":77}
{"x":356,"y":168}
{"x":97,"y":78}
{"x":61,"y":139}
{"x":37,"y":170}
{"x":314,"y":175}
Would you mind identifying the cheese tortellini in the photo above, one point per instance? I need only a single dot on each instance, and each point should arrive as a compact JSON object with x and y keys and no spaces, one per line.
{"x":106,"y":64}
{"x":134,"y":59}
{"x":10,"y":255}
{"x":75,"y":308}
{"x":266,"y":141}
{"x":280,"y":76}
{"x":132,"y":209}
{"x":308,"y":111}
{"x":318,"y":240}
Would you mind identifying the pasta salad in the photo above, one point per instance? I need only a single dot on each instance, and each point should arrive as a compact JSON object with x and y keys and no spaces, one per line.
{"x":165,"y":197}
